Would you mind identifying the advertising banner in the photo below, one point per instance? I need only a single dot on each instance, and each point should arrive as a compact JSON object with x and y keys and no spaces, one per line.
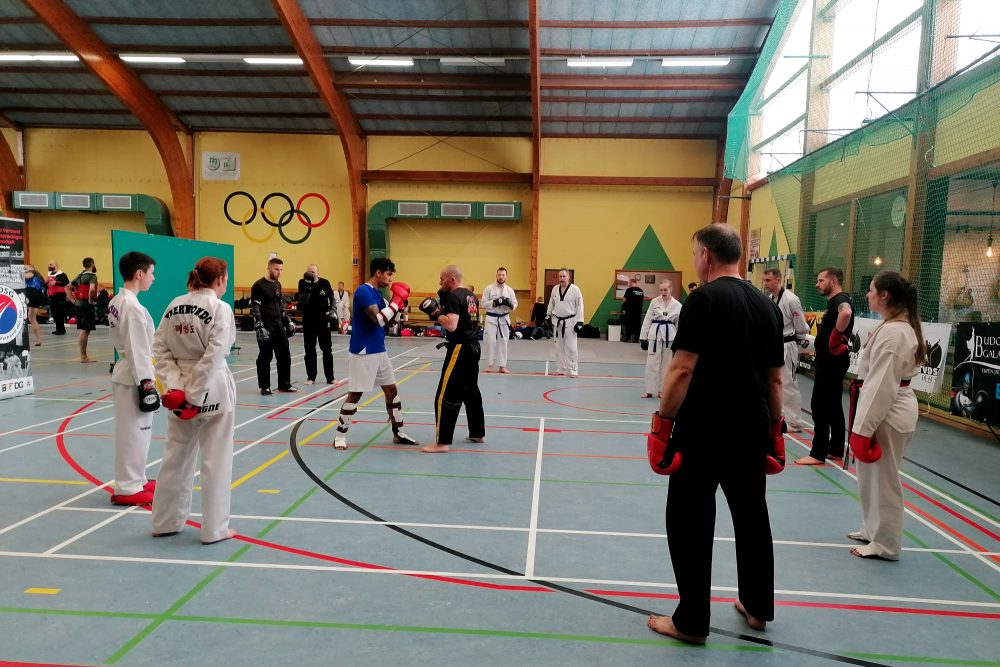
{"x":975,"y":382}
{"x":15,"y":355}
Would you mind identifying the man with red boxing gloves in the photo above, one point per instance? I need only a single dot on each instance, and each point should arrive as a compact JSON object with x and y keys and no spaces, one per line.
{"x":833,"y":358}
{"x":710,"y":433}
{"x":369,"y":365}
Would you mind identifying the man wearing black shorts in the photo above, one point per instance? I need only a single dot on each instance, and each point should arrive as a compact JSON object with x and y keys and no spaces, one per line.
{"x":458,"y":313}
{"x":84,"y":288}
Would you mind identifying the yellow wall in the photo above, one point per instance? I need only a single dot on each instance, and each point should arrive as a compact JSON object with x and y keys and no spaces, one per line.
{"x":628,"y":157}
{"x":453,"y":154}
{"x":972,"y":129}
{"x":764,"y":216}
{"x":873,"y":165}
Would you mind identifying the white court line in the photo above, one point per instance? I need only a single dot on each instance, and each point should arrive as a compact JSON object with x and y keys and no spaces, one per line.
{"x":979,"y":556}
{"x":481,"y":576}
{"x":546,"y":368}
{"x":117,"y":515}
{"x":536,"y":488}
{"x":531,"y":418}
{"x":519,"y":529}
{"x":49,"y":421}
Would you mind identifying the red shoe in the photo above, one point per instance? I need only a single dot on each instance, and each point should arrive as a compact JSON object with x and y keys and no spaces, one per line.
{"x":141,"y":498}
{"x":150,"y":486}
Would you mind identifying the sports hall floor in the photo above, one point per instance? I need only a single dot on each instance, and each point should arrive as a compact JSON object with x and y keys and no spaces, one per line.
{"x":484,"y":544}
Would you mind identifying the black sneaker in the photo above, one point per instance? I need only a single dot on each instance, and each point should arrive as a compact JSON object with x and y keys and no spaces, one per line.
{"x":265,"y":391}
{"x":290,"y":389}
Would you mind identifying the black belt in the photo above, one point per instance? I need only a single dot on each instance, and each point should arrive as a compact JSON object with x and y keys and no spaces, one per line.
{"x":562,"y":323}
{"x":790,"y":339}
{"x":497,"y":314}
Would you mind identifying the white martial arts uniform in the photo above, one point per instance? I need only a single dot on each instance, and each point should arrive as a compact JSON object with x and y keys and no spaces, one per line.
{"x":496,"y":332}
{"x":565,"y":310}
{"x":886,"y":412}
{"x":190,"y":346}
{"x":132,"y":335}
{"x":795,"y":327}
{"x":659,"y":328}
{"x":342,"y":305}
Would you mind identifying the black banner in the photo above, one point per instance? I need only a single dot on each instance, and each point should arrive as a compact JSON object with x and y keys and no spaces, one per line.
{"x":975,"y":391}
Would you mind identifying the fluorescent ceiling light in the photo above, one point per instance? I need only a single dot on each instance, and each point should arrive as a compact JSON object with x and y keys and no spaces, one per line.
{"x":271,"y":60}
{"x":152,"y":59}
{"x":384,"y":62}
{"x":599,"y":62}
{"x":473,"y":62}
{"x":16,"y":57}
{"x":695,"y":62}
{"x":56,"y":57}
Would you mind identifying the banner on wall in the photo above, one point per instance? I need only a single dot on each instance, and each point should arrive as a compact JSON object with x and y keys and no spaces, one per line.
{"x":220,"y":166}
{"x":15,"y":354}
{"x":975,"y":391}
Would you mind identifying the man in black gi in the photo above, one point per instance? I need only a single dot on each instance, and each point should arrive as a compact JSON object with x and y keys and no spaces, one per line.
{"x":272,"y":339}
{"x":315,"y":304}
{"x":632,"y":311}
{"x":723,"y":390}
{"x":458,"y":313}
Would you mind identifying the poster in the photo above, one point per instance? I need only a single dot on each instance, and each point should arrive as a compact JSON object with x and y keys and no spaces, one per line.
{"x":754,"y":245}
{"x":649,"y":282}
{"x":975,"y":391}
{"x":220,"y":166}
{"x":15,"y":355}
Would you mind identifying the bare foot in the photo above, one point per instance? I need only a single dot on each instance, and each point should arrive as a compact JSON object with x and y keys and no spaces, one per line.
{"x":479,"y":440}
{"x":489,"y":369}
{"x":229,"y":534}
{"x":88,"y":360}
{"x":808,"y":461}
{"x":753,"y":622}
{"x":434,"y":449}
{"x":665,"y":626}
{"x":646,"y":396}
{"x":310,"y":381}
{"x":504,"y":370}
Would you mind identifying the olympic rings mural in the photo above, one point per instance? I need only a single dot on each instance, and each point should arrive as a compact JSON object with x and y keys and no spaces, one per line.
{"x":293,"y":210}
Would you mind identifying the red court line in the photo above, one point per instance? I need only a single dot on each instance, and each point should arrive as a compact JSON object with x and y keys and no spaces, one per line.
{"x":4,"y":663}
{"x":60,"y":442}
{"x":548,"y":398}
{"x":60,"y":386}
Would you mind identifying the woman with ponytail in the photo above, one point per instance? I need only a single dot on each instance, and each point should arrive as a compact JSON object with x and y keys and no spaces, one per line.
{"x":190,"y":346}
{"x":884,"y":413}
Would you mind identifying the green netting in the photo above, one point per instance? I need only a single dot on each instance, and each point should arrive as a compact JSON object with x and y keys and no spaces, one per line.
{"x":914,"y":190}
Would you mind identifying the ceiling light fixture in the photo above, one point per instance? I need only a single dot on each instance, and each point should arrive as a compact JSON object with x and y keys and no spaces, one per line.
{"x":152,"y":59}
{"x":599,"y":62}
{"x":57,"y":57}
{"x":272,"y":60}
{"x":695,"y":62}
{"x":382,"y":62}
{"x":474,"y":62}
{"x":16,"y":57}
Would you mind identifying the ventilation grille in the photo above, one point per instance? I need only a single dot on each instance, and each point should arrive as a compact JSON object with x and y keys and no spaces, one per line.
{"x":116,"y":202}
{"x":412,"y":208}
{"x":498,"y":211}
{"x":32,"y":200}
{"x":455,"y":210}
{"x":74,"y":201}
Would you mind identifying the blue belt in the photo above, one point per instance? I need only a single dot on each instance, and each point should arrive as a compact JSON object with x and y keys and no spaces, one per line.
{"x":656,"y":339}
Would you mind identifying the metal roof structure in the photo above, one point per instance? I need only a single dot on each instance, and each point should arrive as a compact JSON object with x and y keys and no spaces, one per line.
{"x":488,"y":92}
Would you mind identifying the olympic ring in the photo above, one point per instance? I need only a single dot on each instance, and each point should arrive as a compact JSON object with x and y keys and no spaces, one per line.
{"x":293,"y":211}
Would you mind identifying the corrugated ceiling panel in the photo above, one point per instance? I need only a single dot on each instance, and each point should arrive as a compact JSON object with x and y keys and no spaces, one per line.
{"x":425,"y":9}
{"x":203,"y":37}
{"x":174,"y":8}
{"x":270,"y":124}
{"x":51,"y":100}
{"x":21,"y":33}
{"x":75,"y":120}
{"x":244,"y":105}
{"x":83,"y":80}
{"x":294,"y":83}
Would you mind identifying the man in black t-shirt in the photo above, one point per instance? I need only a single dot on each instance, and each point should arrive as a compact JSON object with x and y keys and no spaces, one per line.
{"x":315,"y":304}
{"x":722,"y":400}
{"x":458,"y":313}
{"x":832,"y":360}
{"x":265,"y":306}
{"x":632,"y":311}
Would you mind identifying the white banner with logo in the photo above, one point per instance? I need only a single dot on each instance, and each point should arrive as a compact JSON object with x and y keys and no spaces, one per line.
{"x":220,"y":166}
{"x":936,"y":336}
{"x":15,"y":354}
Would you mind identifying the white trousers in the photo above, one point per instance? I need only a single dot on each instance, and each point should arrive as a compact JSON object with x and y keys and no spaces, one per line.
{"x":133,"y":431}
{"x":656,"y":366}
{"x":213,"y":438}
{"x":882,"y":495}
{"x":496,"y":335}
{"x":343,"y":312}
{"x":791,"y":397}
{"x":566,"y":354}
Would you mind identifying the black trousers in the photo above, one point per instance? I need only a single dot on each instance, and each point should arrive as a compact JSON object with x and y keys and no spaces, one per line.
{"x":57,"y":308}
{"x":276,"y":348}
{"x":633,"y":325}
{"x":691,"y":534}
{"x":828,"y":412}
{"x":313,"y":332}
{"x":459,"y":384}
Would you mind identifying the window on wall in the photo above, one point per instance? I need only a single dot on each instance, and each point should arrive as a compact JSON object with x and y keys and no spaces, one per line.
{"x":782,"y":150}
{"x":977,"y":32}
{"x":878,"y":241}
{"x":826,"y":246}
{"x":858,"y":24}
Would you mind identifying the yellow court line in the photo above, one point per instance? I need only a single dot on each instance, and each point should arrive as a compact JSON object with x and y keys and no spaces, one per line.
{"x":268,"y":490}
{"x":262,"y":466}
{"x":42,"y":591}
{"x":23,"y":480}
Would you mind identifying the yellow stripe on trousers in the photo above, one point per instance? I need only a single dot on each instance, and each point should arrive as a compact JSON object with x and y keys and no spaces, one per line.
{"x":444,"y":384}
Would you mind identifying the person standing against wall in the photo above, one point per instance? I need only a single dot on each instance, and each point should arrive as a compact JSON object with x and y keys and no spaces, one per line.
{"x":795,"y":329}
{"x":565,"y":311}
{"x":658,"y":330}
{"x":84,"y":288}
{"x":56,"y":284}
{"x":272,"y":340}
{"x":499,"y":301}
{"x":832,"y":361}
{"x":632,"y":311}
{"x":315,"y":304}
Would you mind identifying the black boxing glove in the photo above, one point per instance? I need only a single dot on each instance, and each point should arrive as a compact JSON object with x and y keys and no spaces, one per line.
{"x":149,"y":399}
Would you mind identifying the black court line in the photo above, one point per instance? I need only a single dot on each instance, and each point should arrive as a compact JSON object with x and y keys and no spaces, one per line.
{"x":294,"y":447}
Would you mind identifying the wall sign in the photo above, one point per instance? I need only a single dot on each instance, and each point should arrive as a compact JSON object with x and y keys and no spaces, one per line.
{"x":220,"y":166}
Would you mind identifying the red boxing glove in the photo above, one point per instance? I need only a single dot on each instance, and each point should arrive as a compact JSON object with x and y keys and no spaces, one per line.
{"x":866,"y":450}
{"x":774,"y":462}
{"x":175,"y":401}
{"x":400,"y":292}
{"x":838,"y":343}
{"x":664,"y":458}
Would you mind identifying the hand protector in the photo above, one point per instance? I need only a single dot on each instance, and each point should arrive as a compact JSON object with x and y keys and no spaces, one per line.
{"x":578,"y":327}
{"x":263,"y":335}
{"x":503,"y":301}
{"x":663,"y":456}
{"x":149,"y":400}
{"x":838,"y":343}
{"x":308,"y":277}
{"x":865,"y":449}
{"x":775,"y":459}
{"x":175,"y":401}
{"x":400,"y":291}
{"x":644,"y":344}
{"x":431,"y":307}
{"x":332,"y":319}
{"x":288,"y":326}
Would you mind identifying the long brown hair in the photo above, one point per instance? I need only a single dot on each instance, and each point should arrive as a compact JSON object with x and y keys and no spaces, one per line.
{"x":206,"y":272}
{"x":903,"y":297}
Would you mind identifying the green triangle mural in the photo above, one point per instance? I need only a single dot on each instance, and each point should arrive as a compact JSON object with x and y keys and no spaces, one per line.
{"x":773,"y":249}
{"x":648,"y":255}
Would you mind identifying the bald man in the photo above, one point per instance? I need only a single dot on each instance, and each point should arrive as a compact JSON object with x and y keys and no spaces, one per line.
{"x":315,"y":303}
